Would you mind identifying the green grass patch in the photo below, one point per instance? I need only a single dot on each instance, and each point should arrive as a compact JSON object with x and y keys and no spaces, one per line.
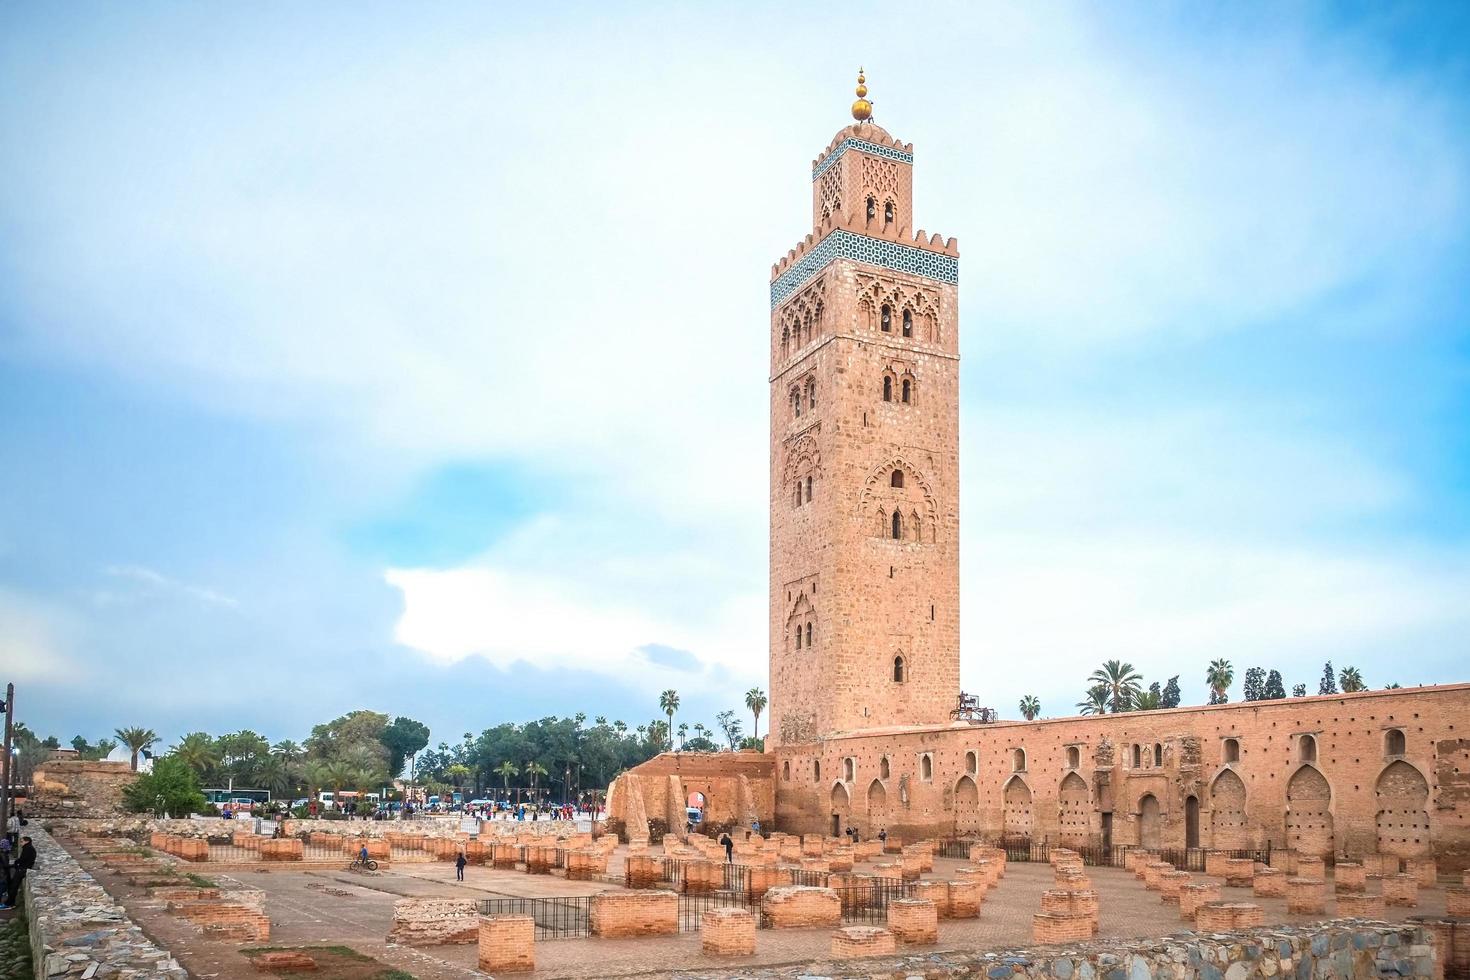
{"x":199,"y":881}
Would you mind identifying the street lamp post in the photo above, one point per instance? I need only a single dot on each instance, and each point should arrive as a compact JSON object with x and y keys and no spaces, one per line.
{"x":5,"y":768}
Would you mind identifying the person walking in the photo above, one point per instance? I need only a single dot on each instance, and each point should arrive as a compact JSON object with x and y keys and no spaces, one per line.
{"x":12,"y":829}
{"x":459,"y":863}
{"x":729,"y":846}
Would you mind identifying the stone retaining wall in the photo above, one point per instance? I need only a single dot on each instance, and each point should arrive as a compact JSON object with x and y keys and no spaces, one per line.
{"x":1335,"y":950}
{"x":434,"y":921}
{"x":76,"y":927}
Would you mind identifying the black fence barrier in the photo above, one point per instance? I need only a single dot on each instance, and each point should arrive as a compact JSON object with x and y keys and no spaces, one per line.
{"x":693,"y":907}
{"x":556,"y":918}
{"x":1182,"y":858}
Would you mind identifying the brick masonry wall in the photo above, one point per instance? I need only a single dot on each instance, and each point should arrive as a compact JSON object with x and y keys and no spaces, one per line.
{"x":645,"y":913}
{"x":507,"y":944}
{"x":434,"y":921}
{"x":800,"y":906}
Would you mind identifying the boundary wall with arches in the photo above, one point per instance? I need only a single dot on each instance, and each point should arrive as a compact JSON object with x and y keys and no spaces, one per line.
{"x":1373,"y":772}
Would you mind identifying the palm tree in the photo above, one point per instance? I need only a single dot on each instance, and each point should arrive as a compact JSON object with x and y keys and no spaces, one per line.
{"x":1121,"y":682}
{"x":669,"y":702}
{"x":1096,"y":702}
{"x":1030,"y":707}
{"x":683,"y":734}
{"x":505,"y":771}
{"x":756,"y":701}
{"x":288,"y":751}
{"x":1349,"y":680}
{"x":600,"y":720}
{"x":535,"y":770}
{"x":1147,"y":700}
{"x":699,"y":730}
{"x":197,"y":751}
{"x":1392,"y":687}
{"x":136,"y":739}
{"x":275,"y":775}
{"x":620,"y":726}
{"x":1219,"y":676}
{"x":337,"y":774}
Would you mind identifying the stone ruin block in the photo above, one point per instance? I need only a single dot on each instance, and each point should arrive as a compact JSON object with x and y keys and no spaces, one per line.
{"x":284,"y":961}
{"x":246,"y":839}
{"x":1306,"y":896}
{"x":540,"y":860}
{"x":800,"y":907}
{"x":1401,"y":890}
{"x":1197,"y":893}
{"x":852,"y":942}
{"x":1152,"y":871}
{"x":1310,"y":867}
{"x":1457,"y":901}
{"x":914,"y":921}
{"x":642,"y":871}
{"x":815,"y":864}
{"x":1381,"y":864}
{"x":1228,"y":916}
{"x":1359,"y":905}
{"x":703,"y":876}
{"x":507,"y":944}
{"x":193,"y":849}
{"x":434,"y":922}
{"x":507,"y":856}
{"x":1240,"y":872}
{"x":727,"y":932}
{"x":616,"y":915}
{"x":760,"y":880}
{"x":840,"y":859}
{"x":378,"y":850}
{"x":911,"y":866}
{"x":924,"y":849}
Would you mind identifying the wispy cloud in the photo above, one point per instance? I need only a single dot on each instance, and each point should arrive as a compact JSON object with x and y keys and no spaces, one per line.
{"x":148,"y":582}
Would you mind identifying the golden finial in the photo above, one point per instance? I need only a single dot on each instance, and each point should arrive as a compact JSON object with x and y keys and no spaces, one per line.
{"x":862,"y":109}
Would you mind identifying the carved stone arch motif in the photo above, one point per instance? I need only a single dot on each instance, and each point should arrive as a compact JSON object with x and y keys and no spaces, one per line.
{"x":1016,"y":819}
{"x":966,"y":805}
{"x":1228,"y":827}
{"x":1402,"y":818}
{"x":915,"y":497}
{"x":803,"y":456}
{"x":1309,"y":823}
{"x":1074,"y":810}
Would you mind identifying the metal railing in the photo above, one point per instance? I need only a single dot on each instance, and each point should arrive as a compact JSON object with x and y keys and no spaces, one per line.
{"x":1025,"y":849}
{"x":556,"y":918}
{"x":693,"y":907}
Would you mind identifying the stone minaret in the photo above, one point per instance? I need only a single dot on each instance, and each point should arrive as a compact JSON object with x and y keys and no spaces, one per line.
{"x":864,"y":611}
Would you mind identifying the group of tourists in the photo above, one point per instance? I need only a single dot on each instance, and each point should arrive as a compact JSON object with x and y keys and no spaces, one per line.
{"x":17,"y":858}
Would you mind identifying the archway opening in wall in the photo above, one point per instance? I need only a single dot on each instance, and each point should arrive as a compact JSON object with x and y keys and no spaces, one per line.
{"x":966,"y":806}
{"x":1074,"y":808}
{"x":1402,"y":796}
{"x":1393,"y":742}
{"x":1230,"y":750}
{"x":972,"y":762}
{"x":1307,"y":749}
{"x":1016,"y":820}
{"x":877,"y":807}
{"x":898,"y":670}
{"x":883,"y":768}
{"x":1309,"y":828}
{"x":1074,"y":757}
{"x":1228,"y":829}
{"x":1158,"y":755}
{"x":1150,"y":829}
{"x":841,"y":802}
{"x":1191,"y":821}
{"x":926,"y":767}
{"x":786,"y":771}
{"x":1018,"y":760}
{"x":1137,"y":757}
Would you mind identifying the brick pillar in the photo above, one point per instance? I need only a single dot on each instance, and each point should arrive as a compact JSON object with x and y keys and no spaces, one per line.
{"x":1170,"y":883}
{"x":1359,"y":905}
{"x":936,"y":892}
{"x":914,"y":921}
{"x":1152,"y":871}
{"x":727,"y":932}
{"x":507,"y":944}
{"x":643,"y":871}
{"x":1349,"y":877}
{"x":1065,"y":927}
{"x":1228,"y":916}
{"x":1423,"y":868}
{"x":1310,"y":867}
{"x":851,"y":942}
{"x":1401,"y":890}
{"x":965,"y":897}
{"x":1269,"y":883}
{"x":1305,"y":896}
{"x":1457,"y":901}
{"x":1055,"y":901}
{"x":1197,"y":893}
{"x":1239,"y":872}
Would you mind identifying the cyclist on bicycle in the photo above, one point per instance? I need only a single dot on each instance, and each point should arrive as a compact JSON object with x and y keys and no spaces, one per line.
{"x":362,"y":856}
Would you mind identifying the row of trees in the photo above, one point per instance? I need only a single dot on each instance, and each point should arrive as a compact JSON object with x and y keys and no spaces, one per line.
{"x":1116,"y":687}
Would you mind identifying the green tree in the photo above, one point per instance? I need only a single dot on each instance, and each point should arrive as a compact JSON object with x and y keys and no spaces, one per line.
{"x":1328,"y":684}
{"x":755,"y":702}
{"x":403,"y":739}
{"x":171,"y":788}
{"x":535,"y":770}
{"x":1030,"y":707}
{"x":137,"y":739}
{"x":1275,"y":687}
{"x":1392,"y":687}
{"x":1148,"y":700}
{"x":1351,"y":680}
{"x":730,"y":725}
{"x":1170,"y":695}
{"x":1299,"y":690}
{"x":669,"y":702}
{"x":198,"y":751}
{"x":1219,"y":676}
{"x":1254,"y":688}
{"x":1121,"y":681}
{"x":506,"y":771}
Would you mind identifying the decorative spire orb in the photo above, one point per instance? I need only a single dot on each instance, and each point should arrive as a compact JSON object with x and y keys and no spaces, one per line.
{"x":862,"y":109}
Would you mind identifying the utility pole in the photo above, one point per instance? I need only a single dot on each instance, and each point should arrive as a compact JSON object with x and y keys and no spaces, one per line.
{"x":5,"y":774}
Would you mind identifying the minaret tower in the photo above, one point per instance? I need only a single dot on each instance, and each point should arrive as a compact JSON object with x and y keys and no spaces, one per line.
{"x":864,"y":612}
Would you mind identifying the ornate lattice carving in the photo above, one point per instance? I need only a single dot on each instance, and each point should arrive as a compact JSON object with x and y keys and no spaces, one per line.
{"x":853,"y":143}
{"x":914,"y":500}
{"x":921,"y":305}
{"x":880,"y":177}
{"x":801,"y":319}
{"x":829,"y":192}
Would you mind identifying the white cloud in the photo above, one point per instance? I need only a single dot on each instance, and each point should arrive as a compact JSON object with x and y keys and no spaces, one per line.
{"x":147,"y":582}
{"x":34,"y":637}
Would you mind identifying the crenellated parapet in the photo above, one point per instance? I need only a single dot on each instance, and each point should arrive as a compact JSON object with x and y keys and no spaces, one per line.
{"x":867,"y":240}
{"x":866,"y":137}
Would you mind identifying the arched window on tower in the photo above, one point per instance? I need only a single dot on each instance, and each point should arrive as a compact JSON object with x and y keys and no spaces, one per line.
{"x":785,"y":340}
{"x":798,"y":492}
{"x":888,"y":213}
{"x":809,"y":489}
{"x":1308,"y":746}
{"x":896,"y":479}
{"x":1393,"y":742}
{"x":872,"y":208}
{"x":908,"y":323}
{"x":796,"y":402}
{"x":798,"y":636}
{"x":885,"y":319}
{"x":1231,"y":750}
{"x":883,"y":770}
{"x":1137,"y":757}
{"x":808,"y":634}
{"x":811,"y":392}
{"x":1074,"y":757}
{"x":904,"y":390}
{"x":897,"y":526}
{"x":887,"y":389}
{"x":1158,"y":755}
{"x":899,"y":671}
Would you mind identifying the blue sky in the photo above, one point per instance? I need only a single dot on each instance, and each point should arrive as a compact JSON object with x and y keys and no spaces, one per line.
{"x":354,"y":355}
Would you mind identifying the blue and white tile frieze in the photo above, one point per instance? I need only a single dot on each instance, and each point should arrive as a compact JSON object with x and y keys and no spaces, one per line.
{"x":853,"y":143}
{"x":842,"y":244}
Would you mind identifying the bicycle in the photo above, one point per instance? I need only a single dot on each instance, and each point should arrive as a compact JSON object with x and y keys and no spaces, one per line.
{"x":365,"y":864}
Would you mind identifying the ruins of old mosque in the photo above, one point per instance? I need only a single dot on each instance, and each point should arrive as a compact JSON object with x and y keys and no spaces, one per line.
{"x":866,"y":722}
{"x":1316,"y":838}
